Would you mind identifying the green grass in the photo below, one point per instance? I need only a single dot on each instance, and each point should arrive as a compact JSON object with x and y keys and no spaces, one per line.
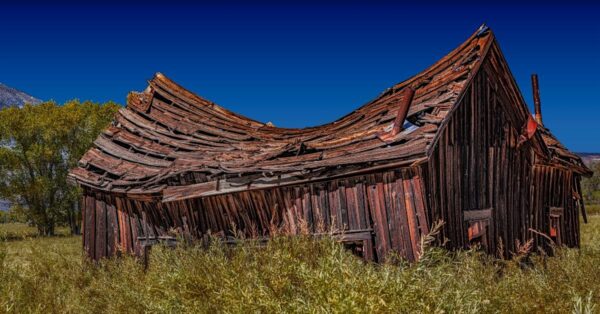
{"x":21,"y":231}
{"x":293,"y":275}
{"x":593,"y":209}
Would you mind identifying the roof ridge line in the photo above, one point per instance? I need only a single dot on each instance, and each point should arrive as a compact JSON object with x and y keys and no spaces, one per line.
{"x":484,"y":55}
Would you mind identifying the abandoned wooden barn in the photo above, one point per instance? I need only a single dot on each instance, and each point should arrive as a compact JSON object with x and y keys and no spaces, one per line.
{"x":455,"y":143}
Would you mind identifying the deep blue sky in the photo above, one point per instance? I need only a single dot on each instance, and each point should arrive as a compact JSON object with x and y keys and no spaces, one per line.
{"x":298,"y":64}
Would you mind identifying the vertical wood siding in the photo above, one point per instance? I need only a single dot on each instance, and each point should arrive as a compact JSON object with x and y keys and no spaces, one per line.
{"x":477,"y":165}
{"x":555,"y":187}
{"x":389,"y":204}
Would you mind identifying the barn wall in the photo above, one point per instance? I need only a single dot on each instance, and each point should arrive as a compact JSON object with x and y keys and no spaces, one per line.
{"x":388,"y":207}
{"x":555,"y":188}
{"x":477,"y":164}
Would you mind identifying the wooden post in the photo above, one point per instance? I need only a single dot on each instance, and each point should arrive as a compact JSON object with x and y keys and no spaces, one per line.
{"x":147,"y":248}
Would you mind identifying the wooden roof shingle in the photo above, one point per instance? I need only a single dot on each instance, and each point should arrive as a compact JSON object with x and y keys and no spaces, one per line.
{"x":172,"y":144}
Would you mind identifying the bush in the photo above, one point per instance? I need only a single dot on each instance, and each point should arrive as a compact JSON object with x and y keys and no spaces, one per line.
{"x":11,"y":216}
{"x":591,"y":186}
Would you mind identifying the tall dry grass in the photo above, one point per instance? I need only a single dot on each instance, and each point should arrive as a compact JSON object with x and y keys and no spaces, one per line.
{"x":301,"y":274}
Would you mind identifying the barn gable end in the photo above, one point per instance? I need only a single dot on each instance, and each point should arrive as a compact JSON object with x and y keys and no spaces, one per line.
{"x":476,"y":164}
{"x":481,"y":162}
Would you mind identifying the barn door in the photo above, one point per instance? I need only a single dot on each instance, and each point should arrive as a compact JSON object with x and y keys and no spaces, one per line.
{"x":397,"y":209}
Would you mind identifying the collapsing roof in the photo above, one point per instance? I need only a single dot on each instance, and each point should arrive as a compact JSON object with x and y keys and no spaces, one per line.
{"x":171,"y":144}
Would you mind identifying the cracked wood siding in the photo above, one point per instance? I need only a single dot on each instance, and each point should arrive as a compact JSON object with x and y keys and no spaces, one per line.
{"x":348,"y":205}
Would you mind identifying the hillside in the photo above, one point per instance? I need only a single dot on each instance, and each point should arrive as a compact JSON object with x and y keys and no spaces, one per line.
{"x":13,"y":97}
{"x":589,"y":157}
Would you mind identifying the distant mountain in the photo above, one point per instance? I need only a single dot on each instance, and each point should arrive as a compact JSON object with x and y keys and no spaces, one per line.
{"x":13,"y":97}
{"x":589,"y":158}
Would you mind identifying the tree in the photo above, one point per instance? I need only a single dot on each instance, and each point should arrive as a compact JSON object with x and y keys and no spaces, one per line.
{"x":591,"y":186}
{"x":38,"y":146}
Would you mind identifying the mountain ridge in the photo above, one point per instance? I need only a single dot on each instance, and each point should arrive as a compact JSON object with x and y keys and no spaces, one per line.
{"x":10,"y":96}
{"x":589,"y":158}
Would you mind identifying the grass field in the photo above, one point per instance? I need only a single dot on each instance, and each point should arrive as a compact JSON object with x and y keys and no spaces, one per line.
{"x":48,"y":275}
{"x":593,"y":209}
{"x":19,"y":231}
